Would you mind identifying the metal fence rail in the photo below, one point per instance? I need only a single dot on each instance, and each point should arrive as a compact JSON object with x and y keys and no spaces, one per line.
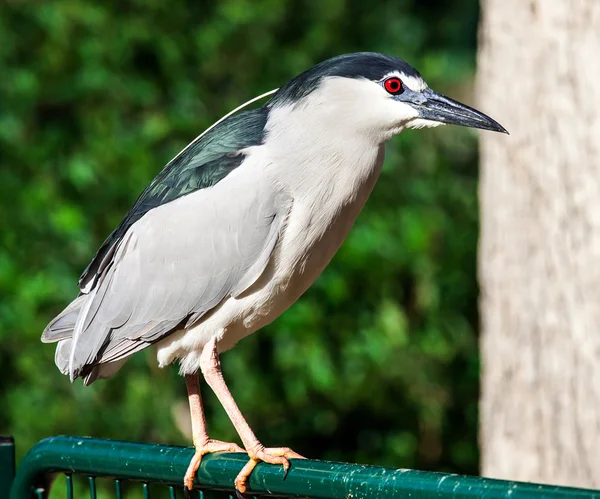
{"x":150,"y":464}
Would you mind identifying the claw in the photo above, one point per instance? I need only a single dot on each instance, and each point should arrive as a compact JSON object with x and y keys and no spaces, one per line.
{"x":209,"y":447}
{"x":276,"y":455}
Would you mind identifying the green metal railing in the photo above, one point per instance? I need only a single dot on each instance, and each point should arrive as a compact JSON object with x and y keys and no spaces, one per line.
{"x":7,"y":464}
{"x":150,"y":464}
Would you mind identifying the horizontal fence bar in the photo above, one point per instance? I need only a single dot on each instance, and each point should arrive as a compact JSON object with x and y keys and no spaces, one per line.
{"x":306,"y":478}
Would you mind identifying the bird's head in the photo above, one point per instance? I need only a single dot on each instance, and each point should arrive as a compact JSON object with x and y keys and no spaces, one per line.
{"x":374,"y":93}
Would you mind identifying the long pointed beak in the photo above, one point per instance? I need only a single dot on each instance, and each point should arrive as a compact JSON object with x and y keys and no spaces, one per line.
{"x":438,"y":107}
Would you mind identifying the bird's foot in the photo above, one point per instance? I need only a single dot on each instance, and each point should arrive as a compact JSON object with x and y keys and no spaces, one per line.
{"x":201,"y":450}
{"x":275,"y":455}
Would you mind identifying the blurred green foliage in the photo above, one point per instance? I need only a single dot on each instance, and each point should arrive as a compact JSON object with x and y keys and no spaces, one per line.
{"x":377,"y":363}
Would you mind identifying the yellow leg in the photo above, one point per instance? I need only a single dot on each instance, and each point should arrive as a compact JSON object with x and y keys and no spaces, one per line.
{"x":211,"y":370}
{"x":202,"y":443}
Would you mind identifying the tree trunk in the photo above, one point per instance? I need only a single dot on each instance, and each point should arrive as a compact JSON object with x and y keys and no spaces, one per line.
{"x":539,"y":260}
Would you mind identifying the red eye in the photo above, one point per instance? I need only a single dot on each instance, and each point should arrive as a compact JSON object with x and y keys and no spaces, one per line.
{"x":393,"y":85}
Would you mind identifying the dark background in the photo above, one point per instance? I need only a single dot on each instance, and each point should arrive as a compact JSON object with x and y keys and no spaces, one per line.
{"x":378,"y":362}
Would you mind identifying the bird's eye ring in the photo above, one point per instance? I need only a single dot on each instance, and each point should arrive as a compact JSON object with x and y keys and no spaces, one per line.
{"x":393,"y":85}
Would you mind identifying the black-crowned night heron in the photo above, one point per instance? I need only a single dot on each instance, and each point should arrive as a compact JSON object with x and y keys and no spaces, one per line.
{"x":238,"y":225}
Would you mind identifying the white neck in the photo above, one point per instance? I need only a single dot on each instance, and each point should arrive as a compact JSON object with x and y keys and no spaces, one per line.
{"x":320,"y":150}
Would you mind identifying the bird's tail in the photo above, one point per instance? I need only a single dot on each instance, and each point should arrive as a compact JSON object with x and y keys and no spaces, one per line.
{"x":61,"y":330}
{"x":62,"y":326}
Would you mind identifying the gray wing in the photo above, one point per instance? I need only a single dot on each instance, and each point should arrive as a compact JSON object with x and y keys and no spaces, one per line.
{"x":174,"y":264}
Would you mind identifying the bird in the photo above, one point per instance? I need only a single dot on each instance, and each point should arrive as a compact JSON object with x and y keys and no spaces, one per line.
{"x":238,"y":225}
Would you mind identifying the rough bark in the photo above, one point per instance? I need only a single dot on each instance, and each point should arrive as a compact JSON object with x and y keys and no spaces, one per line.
{"x":539,"y":260}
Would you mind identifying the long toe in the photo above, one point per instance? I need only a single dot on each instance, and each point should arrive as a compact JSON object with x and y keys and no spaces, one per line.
{"x":274,"y":455}
{"x":201,"y":451}
{"x":282,"y":451}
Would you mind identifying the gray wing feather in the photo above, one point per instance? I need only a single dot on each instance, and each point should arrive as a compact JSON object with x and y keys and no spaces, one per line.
{"x":62,"y":354}
{"x":62,"y":325}
{"x":174,"y":264}
{"x":103,"y":371}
